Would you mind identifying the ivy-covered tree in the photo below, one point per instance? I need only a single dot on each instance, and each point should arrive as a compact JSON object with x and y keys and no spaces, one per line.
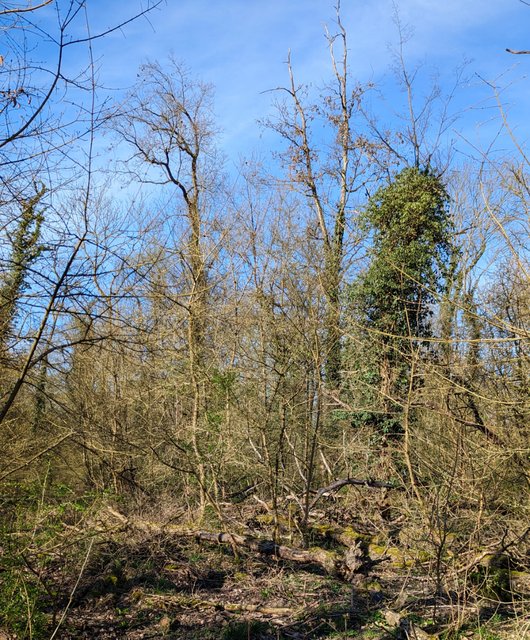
{"x":25,"y":249}
{"x":393,"y":298}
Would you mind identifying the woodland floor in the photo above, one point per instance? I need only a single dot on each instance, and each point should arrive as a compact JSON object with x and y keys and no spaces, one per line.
{"x":140,"y":585}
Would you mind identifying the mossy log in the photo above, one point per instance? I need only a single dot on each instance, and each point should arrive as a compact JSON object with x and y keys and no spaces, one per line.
{"x":345,"y":536}
{"x":520,"y":583}
{"x":373,"y":548}
{"x":399,"y":558}
{"x":330,"y":561}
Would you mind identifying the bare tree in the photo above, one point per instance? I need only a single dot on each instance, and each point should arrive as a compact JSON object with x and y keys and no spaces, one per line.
{"x":37,"y":154}
{"x":168,"y":123}
{"x":330,"y":181}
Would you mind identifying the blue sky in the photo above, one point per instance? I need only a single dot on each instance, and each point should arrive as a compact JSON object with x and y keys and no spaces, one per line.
{"x":240,"y":46}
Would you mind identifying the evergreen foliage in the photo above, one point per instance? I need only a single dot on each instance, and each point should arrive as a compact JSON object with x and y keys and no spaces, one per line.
{"x":25,"y":249}
{"x":393,"y":299}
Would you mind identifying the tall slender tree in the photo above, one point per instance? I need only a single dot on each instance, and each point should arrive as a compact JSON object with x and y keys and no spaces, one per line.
{"x":328,"y":181}
{"x":169,"y":125}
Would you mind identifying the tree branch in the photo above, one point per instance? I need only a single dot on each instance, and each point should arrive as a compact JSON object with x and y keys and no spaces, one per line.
{"x":27,"y":9}
{"x":338,"y":484}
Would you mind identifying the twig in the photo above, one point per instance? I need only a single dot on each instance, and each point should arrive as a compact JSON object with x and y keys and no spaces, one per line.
{"x":72,"y":593}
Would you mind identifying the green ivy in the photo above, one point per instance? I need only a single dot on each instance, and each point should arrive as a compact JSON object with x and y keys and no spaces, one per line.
{"x":393,"y":298}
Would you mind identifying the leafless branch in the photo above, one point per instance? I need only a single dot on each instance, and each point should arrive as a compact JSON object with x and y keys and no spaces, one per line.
{"x":4,"y":12}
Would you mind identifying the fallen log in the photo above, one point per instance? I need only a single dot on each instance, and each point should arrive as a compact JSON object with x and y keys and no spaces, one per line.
{"x":330,"y":561}
{"x":198,"y":603}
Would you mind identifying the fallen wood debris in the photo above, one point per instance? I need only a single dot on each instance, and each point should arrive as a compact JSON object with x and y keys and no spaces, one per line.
{"x":330,"y":561}
{"x":404,"y":628}
{"x":198,"y":603}
{"x":344,"y":482}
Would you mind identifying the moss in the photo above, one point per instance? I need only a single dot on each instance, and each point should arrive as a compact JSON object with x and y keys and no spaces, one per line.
{"x":265,"y":518}
{"x":113,"y":579}
{"x":399,"y":558}
{"x":520,"y":582}
{"x":373,"y":585}
{"x":269,"y":520}
{"x":328,"y":559}
{"x":351,"y":534}
{"x":377,"y":549}
{"x":346,"y":536}
{"x":323,"y":529}
{"x":493,"y":577}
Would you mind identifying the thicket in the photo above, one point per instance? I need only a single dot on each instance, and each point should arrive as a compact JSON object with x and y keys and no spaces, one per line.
{"x":345,"y":339}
